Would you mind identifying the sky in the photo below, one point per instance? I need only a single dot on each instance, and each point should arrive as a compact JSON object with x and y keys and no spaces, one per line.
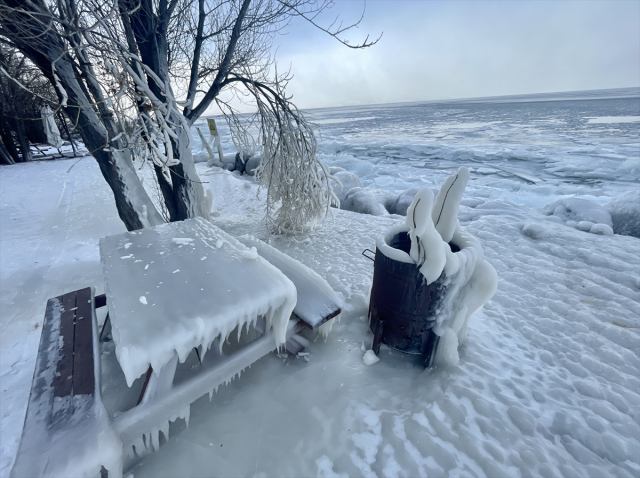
{"x":433,"y":50}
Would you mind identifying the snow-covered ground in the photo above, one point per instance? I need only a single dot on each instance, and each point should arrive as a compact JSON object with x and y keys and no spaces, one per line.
{"x":548,"y":382}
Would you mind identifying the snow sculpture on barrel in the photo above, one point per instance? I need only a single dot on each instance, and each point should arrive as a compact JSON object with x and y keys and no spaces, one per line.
{"x":453,"y":280}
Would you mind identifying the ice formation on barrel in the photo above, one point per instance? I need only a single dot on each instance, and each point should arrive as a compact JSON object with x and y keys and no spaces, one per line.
{"x":469,"y":280}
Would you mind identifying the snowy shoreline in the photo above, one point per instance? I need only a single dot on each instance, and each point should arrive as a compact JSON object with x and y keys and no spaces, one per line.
{"x":548,"y":380}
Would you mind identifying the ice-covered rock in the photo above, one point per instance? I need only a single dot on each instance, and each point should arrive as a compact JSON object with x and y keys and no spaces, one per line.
{"x":625,"y":213}
{"x":364,"y":201}
{"x":402,"y":202}
{"x":369,"y":357}
{"x":601,"y":229}
{"x":252,"y":163}
{"x":534,"y":231}
{"x":585,"y":226}
{"x":347,"y":180}
{"x":240,"y":163}
{"x":201,"y":157}
{"x":578,"y":209}
{"x":228,"y":161}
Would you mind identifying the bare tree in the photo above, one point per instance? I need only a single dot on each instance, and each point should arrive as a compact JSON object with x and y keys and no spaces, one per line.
{"x":23,"y":91}
{"x":117,"y":61}
{"x":39,"y":33}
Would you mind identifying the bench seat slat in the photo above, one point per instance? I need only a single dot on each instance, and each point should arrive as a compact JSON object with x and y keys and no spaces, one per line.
{"x":83,"y":375}
{"x":63,"y":381}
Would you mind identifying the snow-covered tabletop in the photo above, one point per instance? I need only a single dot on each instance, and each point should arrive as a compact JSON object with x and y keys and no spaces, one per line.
{"x":176,"y":286}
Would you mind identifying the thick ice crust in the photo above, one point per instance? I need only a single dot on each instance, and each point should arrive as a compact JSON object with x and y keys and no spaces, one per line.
{"x":316,"y":298}
{"x":177,"y":286}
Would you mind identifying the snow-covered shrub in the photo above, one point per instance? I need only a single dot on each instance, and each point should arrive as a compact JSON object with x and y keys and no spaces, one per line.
{"x":625,"y":213}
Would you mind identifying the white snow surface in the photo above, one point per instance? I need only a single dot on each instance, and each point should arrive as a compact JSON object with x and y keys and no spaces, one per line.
{"x":548,"y":381}
{"x":180,"y":301}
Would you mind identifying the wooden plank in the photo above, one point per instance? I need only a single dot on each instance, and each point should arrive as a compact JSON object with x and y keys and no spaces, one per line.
{"x":63,"y":381}
{"x":83,"y":371}
{"x":100,"y":301}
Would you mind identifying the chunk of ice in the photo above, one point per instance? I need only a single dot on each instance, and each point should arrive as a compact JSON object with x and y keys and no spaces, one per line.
{"x":369,"y":357}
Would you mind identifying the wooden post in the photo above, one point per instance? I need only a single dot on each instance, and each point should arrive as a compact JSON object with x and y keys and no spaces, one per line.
{"x":213,"y":130}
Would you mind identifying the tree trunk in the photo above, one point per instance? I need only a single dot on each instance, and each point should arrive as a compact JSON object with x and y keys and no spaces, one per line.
{"x":23,"y":140}
{"x":7,"y":139}
{"x":43,"y":46}
{"x":184,"y":196}
{"x":5,"y":157}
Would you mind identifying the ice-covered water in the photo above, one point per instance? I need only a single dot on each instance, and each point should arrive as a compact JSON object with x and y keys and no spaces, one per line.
{"x":548,"y":382}
{"x":560,"y":142}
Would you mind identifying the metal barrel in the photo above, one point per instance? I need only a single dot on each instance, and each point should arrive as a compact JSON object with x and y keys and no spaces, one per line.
{"x":402,"y":307}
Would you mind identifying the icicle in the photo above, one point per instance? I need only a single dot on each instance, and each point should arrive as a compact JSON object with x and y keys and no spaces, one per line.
{"x":186,"y":414}
{"x":220,"y":344}
{"x":211,"y":395}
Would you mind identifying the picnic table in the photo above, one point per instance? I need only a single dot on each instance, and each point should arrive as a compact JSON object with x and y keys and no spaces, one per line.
{"x":169,"y":289}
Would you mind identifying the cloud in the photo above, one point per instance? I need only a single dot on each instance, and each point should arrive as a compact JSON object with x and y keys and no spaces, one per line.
{"x":436,"y":50}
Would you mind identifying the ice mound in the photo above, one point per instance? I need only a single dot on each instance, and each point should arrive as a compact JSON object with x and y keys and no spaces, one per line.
{"x":578,"y":209}
{"x":403,"y":201}
{"x":582,"y":214}
{"x":625,"y":213}
{"x":469,"y":281}
{"x":366,"y":201}
{"x":348,"y":181}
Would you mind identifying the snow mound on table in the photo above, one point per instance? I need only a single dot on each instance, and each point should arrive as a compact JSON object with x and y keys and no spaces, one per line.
{"x":625,"y":213}
{"x":188,"y":302}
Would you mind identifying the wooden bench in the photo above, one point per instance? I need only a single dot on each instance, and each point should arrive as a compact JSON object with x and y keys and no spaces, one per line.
{"x":65,"y":389}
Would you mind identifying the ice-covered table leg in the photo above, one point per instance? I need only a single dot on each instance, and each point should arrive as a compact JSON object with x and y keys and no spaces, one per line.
{"x":140,"y":425}
{"x":161,"y":381}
